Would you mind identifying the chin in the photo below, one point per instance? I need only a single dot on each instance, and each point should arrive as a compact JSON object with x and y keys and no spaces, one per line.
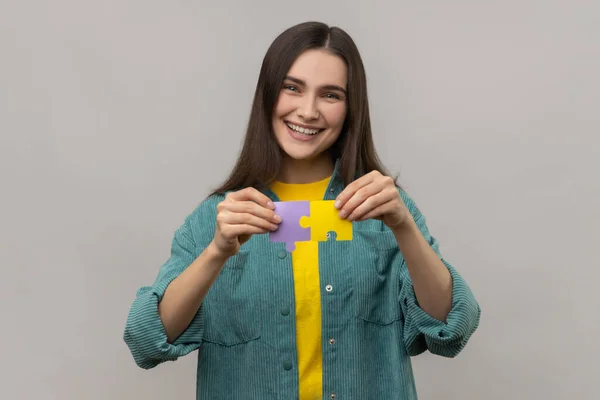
{"x":291,"y":150}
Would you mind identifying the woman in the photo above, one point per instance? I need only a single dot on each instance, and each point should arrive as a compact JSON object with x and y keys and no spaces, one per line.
{"x":331,"y":319}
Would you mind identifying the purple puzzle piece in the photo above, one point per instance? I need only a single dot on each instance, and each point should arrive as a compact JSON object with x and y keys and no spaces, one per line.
{"x":289,"y":230}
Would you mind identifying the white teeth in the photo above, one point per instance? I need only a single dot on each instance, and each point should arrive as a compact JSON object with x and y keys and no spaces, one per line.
{"x":302,"y":130}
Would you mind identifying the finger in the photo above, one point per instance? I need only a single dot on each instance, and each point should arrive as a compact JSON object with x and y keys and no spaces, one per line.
{"x":360,"y":197}
{"x":250,"y":207}
{"x":351,"y":189}
{"x":369,"y":204}
{"x":378,"y":212}
{"x":388,"y":196}
{"x":251,"y":193}
{"x":230,"y":232}
{"x":233,"y":218}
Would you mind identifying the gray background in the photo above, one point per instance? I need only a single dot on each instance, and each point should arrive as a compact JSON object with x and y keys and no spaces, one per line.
{"x":117,"y":117}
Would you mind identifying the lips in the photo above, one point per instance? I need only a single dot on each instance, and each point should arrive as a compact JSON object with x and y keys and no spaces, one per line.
{"x":303,"y":129}
{"x":301,"y":137}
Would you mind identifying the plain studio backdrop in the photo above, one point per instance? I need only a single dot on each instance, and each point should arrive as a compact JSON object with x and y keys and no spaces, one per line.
{"x":118,"y":117}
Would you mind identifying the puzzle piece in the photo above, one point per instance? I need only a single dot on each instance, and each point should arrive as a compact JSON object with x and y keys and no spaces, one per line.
{"x":324,"y":218}
{"x":289,"y":230}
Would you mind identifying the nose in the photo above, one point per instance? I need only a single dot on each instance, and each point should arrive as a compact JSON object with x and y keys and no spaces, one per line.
{"x":308,"y":109}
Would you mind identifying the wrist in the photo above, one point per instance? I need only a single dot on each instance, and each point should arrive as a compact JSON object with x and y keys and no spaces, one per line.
{"x":408,"y":227}
{"x":216,"y":254}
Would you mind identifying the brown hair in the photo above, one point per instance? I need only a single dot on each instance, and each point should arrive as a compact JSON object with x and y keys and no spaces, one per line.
{"x":260,"y":158}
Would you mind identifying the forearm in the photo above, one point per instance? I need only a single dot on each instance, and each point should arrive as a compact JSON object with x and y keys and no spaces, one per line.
{"x":431,"y":279}
{"x":185,"y":294}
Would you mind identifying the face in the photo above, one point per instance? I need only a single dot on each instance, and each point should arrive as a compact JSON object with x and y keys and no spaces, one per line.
{"x":311,"y":106}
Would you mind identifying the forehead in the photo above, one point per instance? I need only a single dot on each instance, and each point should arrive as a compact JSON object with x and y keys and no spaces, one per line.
{"x":319,"y":68}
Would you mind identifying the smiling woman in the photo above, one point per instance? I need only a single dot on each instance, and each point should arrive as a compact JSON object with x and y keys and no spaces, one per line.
{"x":312,"y":77}
{"x":309,"y":113}
{"x":334,"y":319}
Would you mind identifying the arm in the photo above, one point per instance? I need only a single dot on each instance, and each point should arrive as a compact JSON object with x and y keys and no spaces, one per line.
{"x":185,"y":294}
{"x":166,"y":320}
{"x":154,"y":322}
{"x":440,"y":310}
{"x":430,"y":278}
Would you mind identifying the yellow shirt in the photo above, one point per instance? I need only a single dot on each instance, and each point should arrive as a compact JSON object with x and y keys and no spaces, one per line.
{"x":305,"y":264}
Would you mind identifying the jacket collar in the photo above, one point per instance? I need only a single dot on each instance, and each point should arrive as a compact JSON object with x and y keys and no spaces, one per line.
{"x":335,"y":187}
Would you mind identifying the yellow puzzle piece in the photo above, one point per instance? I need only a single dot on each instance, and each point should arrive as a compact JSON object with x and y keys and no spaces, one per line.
{"x":324,"y":218}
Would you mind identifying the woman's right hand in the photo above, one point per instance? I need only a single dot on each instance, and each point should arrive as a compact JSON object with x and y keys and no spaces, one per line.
{"x":241,"y":215}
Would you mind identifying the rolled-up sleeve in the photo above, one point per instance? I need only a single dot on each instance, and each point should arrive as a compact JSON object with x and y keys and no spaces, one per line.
{"x":144,"y":333}
{"x":423,"y":332}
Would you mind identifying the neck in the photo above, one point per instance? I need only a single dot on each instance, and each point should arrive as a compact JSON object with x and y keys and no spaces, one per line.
{"x":305,"y":171}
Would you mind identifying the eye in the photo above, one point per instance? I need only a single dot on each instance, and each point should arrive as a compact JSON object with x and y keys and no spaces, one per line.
{"x":332,"y":96}
{"x":291,"y":88}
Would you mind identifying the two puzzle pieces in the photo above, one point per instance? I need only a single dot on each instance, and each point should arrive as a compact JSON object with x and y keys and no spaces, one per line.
{"x":304,"y":221}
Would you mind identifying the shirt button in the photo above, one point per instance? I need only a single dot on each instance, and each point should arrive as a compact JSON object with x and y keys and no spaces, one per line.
{"x":287,"y":365}
{"x":285,"y":311}
{"x":332,"y":395}
{"x":281,"y":254}
{"x":331,"y":190}
{"x":332,"y":341}
{"x":329,"y":288}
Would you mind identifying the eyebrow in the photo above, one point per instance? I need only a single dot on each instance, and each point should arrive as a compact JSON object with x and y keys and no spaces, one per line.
{"x":327,"y":87}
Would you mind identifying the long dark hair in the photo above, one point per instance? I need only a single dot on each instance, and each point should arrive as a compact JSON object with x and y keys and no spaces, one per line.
{"x":260,"y":158}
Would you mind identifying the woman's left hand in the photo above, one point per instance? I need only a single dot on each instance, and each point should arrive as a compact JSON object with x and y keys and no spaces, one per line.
{"x":373,"y":196}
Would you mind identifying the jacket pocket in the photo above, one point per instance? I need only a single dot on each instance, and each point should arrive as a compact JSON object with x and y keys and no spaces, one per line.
{"x":231,"y":306}
{"x":376,"y":262}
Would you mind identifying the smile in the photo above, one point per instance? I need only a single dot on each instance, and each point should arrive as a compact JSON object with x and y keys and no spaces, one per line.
{"x":304,"y":131}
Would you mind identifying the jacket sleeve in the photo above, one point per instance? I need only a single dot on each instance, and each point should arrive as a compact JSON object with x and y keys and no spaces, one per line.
{"x":423,"y":332}
{"x":144,"y":333}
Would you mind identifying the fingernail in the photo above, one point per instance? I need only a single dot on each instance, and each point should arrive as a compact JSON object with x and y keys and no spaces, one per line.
{"x":336,"y":204}
{"x":277,"y":218}
{"x":270,"y":204}
{"x":342,"y":214}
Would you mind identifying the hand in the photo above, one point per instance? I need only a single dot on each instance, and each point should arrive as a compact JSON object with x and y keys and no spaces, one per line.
{"x":239,"y":216}
{"x":373,"y":196}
